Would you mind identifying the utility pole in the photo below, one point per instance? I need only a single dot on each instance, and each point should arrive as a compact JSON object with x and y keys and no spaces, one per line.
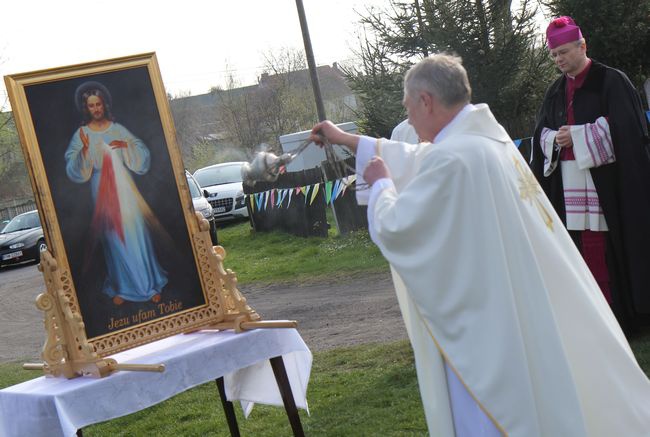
{"x":309,"y":53}
{"x":418,"y":12}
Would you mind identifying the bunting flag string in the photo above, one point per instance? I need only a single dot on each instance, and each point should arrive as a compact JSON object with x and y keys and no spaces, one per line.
{"x":276,"y":197}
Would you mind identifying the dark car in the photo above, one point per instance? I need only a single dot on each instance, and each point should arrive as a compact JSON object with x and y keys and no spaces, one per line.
{"x":22,"y":239}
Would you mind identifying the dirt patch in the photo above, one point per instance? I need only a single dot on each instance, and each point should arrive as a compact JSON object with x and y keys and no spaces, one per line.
{"x":350,"y":310}
{"x":353,"y":310}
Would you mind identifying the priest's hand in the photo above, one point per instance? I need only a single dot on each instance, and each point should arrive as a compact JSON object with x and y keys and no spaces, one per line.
{"x":375,"y":170}
{"x":563,"y":137}
{"x":330,"y":132}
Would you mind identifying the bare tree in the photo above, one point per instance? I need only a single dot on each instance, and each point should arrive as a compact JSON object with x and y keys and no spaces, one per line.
{"x":237,"y":113}
{"x":234,"y":121}
{"x":285,"y":98}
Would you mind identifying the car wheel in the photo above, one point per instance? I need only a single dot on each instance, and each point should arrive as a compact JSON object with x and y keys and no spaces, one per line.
{"x":41,"y":246}
{"x":213,"y":233}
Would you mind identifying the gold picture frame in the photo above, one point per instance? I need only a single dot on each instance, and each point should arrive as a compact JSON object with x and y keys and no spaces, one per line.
{"x":128,"y":260}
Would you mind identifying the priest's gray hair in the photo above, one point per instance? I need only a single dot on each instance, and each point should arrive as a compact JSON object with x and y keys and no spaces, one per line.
{"x":441,"y":75}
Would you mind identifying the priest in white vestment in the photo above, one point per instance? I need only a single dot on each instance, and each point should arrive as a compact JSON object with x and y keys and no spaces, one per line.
{"x":510,"y":331}
{"x":405,"y":133}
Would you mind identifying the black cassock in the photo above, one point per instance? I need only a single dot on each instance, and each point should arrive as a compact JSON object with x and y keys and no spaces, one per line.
{"x":623,"y":186}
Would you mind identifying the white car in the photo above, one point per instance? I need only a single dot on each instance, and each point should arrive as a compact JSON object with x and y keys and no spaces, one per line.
{"x":202,"y":205}
{"x":223,"y":182}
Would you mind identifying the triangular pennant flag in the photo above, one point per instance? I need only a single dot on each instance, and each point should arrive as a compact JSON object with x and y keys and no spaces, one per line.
{"x":290,"y":194}
{"x":349,"y":180}
{"x":297,"y":190}
{"x":314,"y":193}
{"x":328,"y":191}
{"x":342,"y":187}
{"x":283,"y":194}
{"x":335,"y":190}
{"x":306,"y":192}
{"x":266,"y":199}
{"x":272,"y":197}
{"x":517,"y":142}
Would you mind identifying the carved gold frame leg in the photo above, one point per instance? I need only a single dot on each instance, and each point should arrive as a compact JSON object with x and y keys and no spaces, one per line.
{"x":238,"y":315}
{"x":66,"y":351}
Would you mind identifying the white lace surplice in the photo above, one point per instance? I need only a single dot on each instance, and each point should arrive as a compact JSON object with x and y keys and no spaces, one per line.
{"x":592,"y":147}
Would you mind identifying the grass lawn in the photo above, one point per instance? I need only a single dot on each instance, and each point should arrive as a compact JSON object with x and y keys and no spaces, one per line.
{"x":367,"y":390}
{"x":274,"y":257}
{"x":362,"y":391}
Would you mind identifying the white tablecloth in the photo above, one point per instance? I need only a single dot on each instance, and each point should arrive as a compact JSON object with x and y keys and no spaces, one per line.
{"x":58,"y":406}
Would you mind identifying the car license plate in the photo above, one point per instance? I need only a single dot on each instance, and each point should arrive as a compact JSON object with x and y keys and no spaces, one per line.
{"x":220,"y":209}
{"x":12,"y":255}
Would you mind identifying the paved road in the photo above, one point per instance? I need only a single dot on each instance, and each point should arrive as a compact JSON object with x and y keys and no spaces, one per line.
{"x":21,"y":323}
{"x":360,"y":309}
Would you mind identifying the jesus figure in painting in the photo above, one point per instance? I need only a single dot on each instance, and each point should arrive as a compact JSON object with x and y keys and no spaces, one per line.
{"x":105,"y":153}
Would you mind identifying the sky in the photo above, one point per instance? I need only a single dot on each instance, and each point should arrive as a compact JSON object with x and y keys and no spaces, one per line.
{"x":197,"y":43}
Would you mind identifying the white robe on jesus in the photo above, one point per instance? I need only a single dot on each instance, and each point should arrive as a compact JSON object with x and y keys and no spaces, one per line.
{"x":497,"y":292}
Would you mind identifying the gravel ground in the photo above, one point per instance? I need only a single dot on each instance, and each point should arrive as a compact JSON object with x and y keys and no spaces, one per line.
{"x":355,"y":310}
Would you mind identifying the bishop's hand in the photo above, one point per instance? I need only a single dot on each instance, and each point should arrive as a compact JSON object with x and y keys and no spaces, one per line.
{"x":563,"y":137}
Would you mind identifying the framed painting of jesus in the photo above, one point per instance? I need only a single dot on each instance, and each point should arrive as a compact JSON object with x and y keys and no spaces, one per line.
{"x":109,"y":182}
